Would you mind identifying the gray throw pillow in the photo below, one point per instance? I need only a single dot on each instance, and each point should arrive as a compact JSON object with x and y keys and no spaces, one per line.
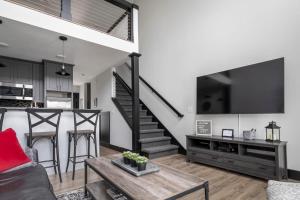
{"x":32,"y":154}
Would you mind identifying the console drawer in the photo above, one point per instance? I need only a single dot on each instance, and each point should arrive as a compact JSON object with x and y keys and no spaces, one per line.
{"x":205,"y":156}
{"x":258,"y":168}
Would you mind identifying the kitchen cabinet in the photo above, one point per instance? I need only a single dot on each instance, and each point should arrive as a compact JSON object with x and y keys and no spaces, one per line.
{"x":22,"y":72}
{"x":50,"y":76}
{"x":54,"y":82}
{"x":38,"y":82}
{"x":66,"y":82}
{"x":6,"y":73}
{"x":16,"y":71}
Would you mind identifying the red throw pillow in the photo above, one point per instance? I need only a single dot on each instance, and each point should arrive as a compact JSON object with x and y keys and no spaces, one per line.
{"x":11,"y":153}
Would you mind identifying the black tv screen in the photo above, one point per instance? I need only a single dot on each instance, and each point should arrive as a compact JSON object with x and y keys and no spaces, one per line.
{"x":252,"y":89}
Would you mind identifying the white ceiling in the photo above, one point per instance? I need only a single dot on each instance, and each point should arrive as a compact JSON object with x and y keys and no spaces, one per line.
{"x":32,"y":43}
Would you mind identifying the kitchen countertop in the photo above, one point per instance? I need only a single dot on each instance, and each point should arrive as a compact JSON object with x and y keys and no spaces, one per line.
{"x":17,"y":119}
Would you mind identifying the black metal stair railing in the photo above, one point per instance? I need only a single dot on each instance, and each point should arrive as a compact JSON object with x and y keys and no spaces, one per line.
{"x":117,"y":104}
{"x":120,"y":81}
{"x":113,"y":17}
{"x":179,"y":114}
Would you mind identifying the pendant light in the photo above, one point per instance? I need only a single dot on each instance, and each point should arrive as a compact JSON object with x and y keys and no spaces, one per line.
{"x":63,"y":71}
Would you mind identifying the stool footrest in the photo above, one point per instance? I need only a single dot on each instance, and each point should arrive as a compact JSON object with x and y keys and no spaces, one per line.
{"x":45,"y":161}
{"x":80,"y":156}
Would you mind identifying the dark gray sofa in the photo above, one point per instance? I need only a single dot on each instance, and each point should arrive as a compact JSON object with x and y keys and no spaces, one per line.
{"x":30,"y":183}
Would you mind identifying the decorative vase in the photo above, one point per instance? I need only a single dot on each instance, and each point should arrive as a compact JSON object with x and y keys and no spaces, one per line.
{"x":126,"y":160}
{"x":142,"y":166}
{"x":133,"y":163}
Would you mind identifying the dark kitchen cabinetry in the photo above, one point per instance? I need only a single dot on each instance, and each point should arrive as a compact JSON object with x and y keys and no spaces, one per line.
{"x":16,"y":71}
{"x":22,"y":72}
{"x":54,"y":82}
{"x":38,"y":82}
{"x":6,"y":72}
{"x":76,"y":100}
{"x":104,"y":132}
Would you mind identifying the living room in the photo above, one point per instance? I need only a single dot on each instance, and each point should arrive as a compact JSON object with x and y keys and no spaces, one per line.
{"x":144,"y":87}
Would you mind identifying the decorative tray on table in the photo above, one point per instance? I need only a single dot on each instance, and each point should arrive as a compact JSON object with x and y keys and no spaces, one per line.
{"x":150,"y":168}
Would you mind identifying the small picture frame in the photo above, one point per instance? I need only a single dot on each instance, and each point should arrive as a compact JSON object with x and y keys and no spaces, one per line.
{"x":204,"y":127}
{"x":228,"y":133}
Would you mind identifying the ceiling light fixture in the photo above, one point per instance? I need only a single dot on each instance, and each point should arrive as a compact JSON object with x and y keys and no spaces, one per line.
{"x":60,"y":56}
{"x":63,"y":71}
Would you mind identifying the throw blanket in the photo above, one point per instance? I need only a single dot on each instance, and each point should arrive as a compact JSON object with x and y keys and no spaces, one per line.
{"x":283,"y":190}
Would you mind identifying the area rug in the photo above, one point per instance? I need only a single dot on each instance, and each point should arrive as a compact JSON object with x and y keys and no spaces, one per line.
{"x":73,"y":195}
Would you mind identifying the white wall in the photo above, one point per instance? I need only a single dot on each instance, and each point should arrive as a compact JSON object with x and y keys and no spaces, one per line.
{"x":180,"y":40}
{"x":76,"y":88}
{"x":101,"y":88}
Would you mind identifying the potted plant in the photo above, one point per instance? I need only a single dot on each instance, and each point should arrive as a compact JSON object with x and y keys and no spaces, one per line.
{"x":141,"y":163}
{"x":133,"y":157}
{"x":126,"y":157}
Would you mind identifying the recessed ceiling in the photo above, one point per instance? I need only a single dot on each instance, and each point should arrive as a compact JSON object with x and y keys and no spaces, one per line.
{"x":32,"y":43}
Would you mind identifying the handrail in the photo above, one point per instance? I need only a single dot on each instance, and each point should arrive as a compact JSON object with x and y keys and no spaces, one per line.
{"x":103,"y":16}
{"x":122,"y":82}
{"x":157,"y":94}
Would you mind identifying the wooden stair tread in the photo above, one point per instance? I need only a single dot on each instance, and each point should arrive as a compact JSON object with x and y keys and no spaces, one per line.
{"x":148,"y":123}
{"x":154,"y":139}
{"x":151,"y":131}
{"x":130,"y":110}
{"x":147,"y":116}
{"x":157,"y":149}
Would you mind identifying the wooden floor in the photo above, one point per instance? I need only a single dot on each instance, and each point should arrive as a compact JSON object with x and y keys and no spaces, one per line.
{"x":223,"y":185}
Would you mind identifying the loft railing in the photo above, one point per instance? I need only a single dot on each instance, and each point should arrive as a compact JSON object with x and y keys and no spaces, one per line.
{"x":180,"y":115}
{"x":114,"y":17}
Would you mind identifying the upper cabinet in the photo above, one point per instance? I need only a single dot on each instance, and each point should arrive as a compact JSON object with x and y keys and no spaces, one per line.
{"x":38,"y":82}
{"x":54,"y":82}
{"x":22,"y":72}
{"x":6,"y":71}
{"x":15,"y":71}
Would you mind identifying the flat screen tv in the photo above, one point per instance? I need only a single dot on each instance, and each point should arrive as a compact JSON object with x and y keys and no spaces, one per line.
{"x":253,"y":89}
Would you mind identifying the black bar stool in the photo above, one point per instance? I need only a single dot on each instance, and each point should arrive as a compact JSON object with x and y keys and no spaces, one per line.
{"x":85,"y":116}
{"x":2,"y":112}
{"x":33,"y":137}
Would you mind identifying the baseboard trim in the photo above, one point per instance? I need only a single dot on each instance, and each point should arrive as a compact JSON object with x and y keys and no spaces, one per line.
{"x":116,"y":148}
{"x":294,"y":174}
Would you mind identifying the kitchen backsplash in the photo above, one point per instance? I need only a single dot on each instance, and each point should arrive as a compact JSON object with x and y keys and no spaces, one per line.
{"x":18,"y":103}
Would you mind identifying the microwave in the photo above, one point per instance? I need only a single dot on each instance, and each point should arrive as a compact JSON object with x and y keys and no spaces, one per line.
{"x":16,"y":91}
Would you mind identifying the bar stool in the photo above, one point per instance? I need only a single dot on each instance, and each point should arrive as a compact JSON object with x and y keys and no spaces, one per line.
{"x":2,"y":112}
{"x":81,"y":117}
{"x":33,"y":137}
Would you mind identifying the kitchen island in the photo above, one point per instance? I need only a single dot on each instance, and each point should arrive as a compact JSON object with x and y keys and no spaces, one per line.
{"x":16,"y":118}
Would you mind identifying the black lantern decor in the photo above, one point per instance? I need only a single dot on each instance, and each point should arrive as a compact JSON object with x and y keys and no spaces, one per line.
{"x":272,"y":132}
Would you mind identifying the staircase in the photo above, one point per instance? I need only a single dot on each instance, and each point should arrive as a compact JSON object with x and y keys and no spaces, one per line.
{"x":153,"y":141}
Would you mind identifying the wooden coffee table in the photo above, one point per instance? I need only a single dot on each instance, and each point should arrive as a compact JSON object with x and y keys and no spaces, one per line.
{"x":167,"y":184}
